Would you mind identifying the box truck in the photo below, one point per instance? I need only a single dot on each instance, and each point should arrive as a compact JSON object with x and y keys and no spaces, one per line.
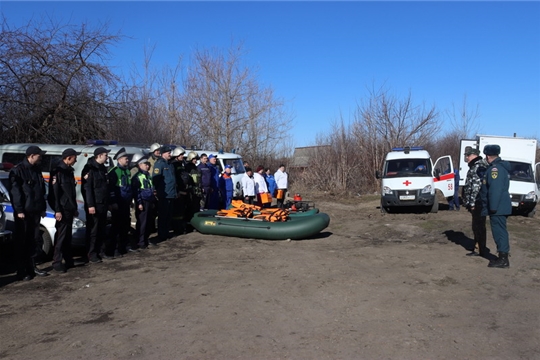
{"x":524,"y":172}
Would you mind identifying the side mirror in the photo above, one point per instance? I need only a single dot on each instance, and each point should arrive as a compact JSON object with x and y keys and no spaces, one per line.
{"x":437,"y":173}
{"x":377,"y":174}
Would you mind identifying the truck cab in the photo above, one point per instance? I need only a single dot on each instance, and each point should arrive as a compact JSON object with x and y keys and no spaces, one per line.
{"x":410,"y":179}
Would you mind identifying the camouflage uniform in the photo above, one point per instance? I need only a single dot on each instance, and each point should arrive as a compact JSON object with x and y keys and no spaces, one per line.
{"x":473,"y":202}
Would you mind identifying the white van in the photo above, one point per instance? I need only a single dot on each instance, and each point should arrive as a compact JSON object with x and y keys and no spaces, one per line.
{"x":409,"y":179}
{"x":524,"y":186}
{"x":15,"y":153}
{"x":224,"y":159}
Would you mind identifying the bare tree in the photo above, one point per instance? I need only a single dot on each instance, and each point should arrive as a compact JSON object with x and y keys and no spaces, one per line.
{"x":228,"y":107}
{"x":54,"y":84}
{"x":464,"y":120}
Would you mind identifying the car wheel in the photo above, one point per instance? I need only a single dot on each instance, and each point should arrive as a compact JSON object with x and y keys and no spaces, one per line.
{"x":47,"y":246}
{"x":531,"y":213}
{"x":435,"y":207}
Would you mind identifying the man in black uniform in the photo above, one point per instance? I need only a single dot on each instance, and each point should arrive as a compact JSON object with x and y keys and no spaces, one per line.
{"x":28,"y":200}
{"x":95,"y":193}
{"x":63,"y":201}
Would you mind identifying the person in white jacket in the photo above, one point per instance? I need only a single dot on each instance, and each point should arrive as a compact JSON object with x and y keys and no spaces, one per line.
{"x":282,"y":183}
{"x":260,"y":183}
{"x":248,"y":186}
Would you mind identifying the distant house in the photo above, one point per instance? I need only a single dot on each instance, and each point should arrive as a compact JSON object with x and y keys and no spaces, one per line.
{"x":302,"y":155}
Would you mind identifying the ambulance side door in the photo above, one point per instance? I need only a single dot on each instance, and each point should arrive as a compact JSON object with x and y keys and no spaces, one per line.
{"x":443,"y":175}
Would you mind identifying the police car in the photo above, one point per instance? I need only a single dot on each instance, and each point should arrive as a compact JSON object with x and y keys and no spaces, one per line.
{"x":47,"y":224}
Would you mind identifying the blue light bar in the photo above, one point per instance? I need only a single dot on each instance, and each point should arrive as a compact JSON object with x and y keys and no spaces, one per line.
{"x":408,"y":148}
{"x":102,"y":142}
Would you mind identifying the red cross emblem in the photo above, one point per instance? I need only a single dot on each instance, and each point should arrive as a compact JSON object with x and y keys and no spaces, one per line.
{"x":407,"y":183}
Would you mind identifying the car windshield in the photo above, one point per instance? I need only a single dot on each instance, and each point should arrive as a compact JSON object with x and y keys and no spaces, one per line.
{"x":521,"y":171}
{"x":237,"y":165}
{"x":407,"y":167}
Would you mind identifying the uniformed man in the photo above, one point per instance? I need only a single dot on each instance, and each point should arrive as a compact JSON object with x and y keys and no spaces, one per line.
{"x":182,"y":178}
{"x":145,"y":200}
{"x":194,"y":188}
{"x":27,"y":196}
{"x":95,"y":193}
{"x":63,"y":201}
{"x":472,"y":201}
{"x":496,"y":202}
{"x":155,"y":154}
{"x":165,"y":183}
{"x":206,"y":180}
{"x":120,"y":199}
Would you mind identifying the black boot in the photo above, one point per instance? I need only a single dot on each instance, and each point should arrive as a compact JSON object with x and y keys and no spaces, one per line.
{"x":501,"y":262}
{"x":39,"y":272}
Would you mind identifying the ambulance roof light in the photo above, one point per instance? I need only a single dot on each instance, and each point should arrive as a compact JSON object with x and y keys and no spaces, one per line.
{"x":408,"y":149}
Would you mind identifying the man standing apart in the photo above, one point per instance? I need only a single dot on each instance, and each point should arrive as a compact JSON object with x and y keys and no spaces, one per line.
{"x":282,"y":182}
{"x":165,"y":183}
{"x":95,"y":193}
{"x":496,"y":202}
{"x":27,"y":196}
{"x":472,"y":201}
{"x":63,"y":201}
{"x":120,"y":198}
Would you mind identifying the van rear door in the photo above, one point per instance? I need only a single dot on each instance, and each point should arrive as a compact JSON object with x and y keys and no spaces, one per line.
{"x":443,"y":175}
{"x":463,"y":164}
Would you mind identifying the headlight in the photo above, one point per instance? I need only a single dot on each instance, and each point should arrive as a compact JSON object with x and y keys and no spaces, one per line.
{"x":530,"y":196}
{"x":386,"y":190}
{"x":78,"y":223}
{"x":427,"y":189}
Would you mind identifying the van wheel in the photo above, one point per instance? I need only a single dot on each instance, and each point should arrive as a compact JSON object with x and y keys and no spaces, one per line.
{"x":531,"y":213}
{"x":435,"y":207}
{"x":383,"y":209}
{"x":47,"y":247}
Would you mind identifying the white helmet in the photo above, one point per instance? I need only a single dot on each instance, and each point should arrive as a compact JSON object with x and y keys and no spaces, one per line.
{"x":135,"y":159}
{"x":154,"y":147}
{"x":178,"y":151}
{"x":192,"y":155}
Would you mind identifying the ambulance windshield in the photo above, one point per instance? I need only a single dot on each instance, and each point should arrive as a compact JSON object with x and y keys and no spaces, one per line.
{"x":407,"y":167}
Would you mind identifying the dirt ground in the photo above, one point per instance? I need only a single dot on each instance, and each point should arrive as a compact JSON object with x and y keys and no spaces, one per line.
{"x":371,"y":286}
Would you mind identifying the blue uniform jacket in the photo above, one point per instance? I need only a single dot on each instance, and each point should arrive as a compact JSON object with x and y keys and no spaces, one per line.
{"x":494,"y":191}
{"x":164,"y":179}
{"x":206,"y":175}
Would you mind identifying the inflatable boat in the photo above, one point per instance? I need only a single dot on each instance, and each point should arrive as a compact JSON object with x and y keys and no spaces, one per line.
{"x":297,"y":226}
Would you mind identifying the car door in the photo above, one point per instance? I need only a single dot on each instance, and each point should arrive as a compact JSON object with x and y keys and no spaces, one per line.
{"x":443,"y":175}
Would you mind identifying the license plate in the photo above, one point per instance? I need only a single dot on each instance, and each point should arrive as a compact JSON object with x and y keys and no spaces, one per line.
{"x":406,"y":197}
{"x":515,"y":204}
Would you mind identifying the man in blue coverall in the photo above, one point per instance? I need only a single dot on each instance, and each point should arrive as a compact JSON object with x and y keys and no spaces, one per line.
{"x":496,"y":202}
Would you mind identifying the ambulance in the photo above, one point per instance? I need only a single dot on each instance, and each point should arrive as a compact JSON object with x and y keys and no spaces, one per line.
{"x":524,"y":172}
{"x":410,"y":179}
